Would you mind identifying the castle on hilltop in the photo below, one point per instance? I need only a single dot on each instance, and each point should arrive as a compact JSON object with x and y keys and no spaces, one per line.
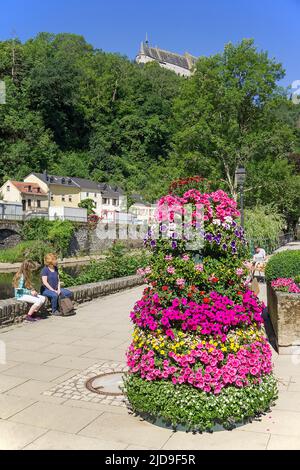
{"x":180,"y":64}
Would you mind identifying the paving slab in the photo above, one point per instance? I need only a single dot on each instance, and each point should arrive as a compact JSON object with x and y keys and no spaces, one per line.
{"x":277,"y":421}
{"x":222,"y":440}
{"x":280,"y":442}
{"x":127,"y":429}
{"x":7,"y":382}
{"x":64,"y":338}
{"x":56,"y":417}
{"x":55,"y":440}
{"x":68,"y":349}
{"x":15,"y":436}
{"x":34,"y":389}
{"x":71,"y":362}
{"x":26,"y":345}
{"x":31,"y":357}
{"x":36,"y":371}
{"x":10,"y":405}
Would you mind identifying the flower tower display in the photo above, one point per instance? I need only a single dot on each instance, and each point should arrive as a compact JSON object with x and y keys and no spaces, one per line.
{"x":199,"y":357}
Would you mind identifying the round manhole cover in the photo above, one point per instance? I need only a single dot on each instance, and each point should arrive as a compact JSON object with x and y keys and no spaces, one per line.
{"x":106,"y":384}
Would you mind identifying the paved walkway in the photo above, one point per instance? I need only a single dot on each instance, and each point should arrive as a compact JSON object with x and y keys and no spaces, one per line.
{"x":41,"y":405}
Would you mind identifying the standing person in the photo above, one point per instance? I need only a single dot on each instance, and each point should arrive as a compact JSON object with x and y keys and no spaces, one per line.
{"x":258,"y":258}
{"x":51,"y":283}
{"x":25,"y":292}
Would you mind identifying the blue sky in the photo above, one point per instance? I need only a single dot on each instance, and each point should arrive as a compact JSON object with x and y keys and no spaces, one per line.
{"x":201,"y":27}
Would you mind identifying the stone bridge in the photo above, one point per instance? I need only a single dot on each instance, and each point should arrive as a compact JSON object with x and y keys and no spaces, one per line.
{"x":10,"y":233}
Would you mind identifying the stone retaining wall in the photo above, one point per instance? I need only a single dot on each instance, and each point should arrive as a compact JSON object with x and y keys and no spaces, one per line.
{"x":14,"y":311}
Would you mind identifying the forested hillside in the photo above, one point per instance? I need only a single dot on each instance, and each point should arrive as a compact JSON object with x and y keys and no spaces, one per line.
{"x":75,"y":110}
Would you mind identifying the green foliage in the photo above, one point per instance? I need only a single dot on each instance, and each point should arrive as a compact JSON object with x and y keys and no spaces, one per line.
{"x":263,"y":225}
{"x":88,"y":204}
{"x":283,"y":264}
{"x":117,"y":264}
{"x":36,"y":251}
{"x":17,"y":253}
{"x":196,"y":410}
{"x":56,"y":234}
{"x":60,"y":234}
{"x":73,"y":109}
{"x":36,"y":229}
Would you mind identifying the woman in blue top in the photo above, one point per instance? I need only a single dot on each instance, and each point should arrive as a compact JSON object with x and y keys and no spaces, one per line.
{"x":51,"y":283}
{"x":25,"y":292}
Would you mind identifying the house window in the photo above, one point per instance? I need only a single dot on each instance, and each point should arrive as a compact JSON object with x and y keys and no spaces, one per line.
{"x":87,"y":194}
{"x":38,"y":203}
{"x":29,"y":189}
{"x":104,"y":200}
{"x":8,"y":188}
{"x":70,"y":198}
{"x":52,"y":197}
{"x":95,"y":194}
{"x":29,"y":203}
{"x":95,"y":204}
{"x":63,"y":198}
{"x":115,"y":202}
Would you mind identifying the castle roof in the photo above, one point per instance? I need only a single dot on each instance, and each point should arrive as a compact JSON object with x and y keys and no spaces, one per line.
{"x":186,"y":61}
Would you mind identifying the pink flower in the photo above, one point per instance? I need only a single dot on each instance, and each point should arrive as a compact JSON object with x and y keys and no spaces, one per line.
{"x":171,"y":269}
{"x":239,"y":271}
{"x":185,"y":257}
{"x":199,"y":267}
{"x":168,"y":257}
{"x":180,"y":282}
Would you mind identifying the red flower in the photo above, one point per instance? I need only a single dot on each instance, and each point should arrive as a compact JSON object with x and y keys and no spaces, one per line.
{"x":165,"y":288}
{"x":206,"y":300}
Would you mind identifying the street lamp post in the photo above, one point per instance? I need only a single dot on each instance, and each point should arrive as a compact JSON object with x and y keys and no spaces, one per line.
{"x":240,"y":177}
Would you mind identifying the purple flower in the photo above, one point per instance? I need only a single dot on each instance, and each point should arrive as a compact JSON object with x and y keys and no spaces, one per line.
{"x":224,"y":246}
{"x":153,"y":243}
{"x":208,"y":237}
{"x":174,"y":245}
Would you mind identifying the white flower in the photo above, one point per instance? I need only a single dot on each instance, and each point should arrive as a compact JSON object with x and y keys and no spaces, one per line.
{"x":228,"y":219}
{"x":216,"y":221}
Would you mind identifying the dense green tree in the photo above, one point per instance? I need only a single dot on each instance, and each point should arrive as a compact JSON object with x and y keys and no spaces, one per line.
{"x":75,"y":110}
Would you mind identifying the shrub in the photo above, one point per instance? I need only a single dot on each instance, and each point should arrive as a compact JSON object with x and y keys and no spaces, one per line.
{"x":57,"y":233}
{"x":115,"y":265}
{"x":17,"y":253}
{"x":36,"y":251}
{"x":284,"y":264}
{"x":60,"y":234}
{"x":36,"y":229}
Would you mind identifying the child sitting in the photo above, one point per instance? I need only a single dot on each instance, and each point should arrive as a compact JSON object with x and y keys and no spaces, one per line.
{"x":25,"y":292}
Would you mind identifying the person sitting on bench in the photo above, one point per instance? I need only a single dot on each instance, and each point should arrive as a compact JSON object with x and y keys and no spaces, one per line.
{"x":25,"y":292}
{"x":51,"y":283}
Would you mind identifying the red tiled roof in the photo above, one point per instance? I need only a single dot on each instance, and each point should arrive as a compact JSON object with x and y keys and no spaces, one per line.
{"x":29,"y":188}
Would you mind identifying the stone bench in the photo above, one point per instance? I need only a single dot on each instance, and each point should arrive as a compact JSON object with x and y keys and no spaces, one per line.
{"x":14,"y":311}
